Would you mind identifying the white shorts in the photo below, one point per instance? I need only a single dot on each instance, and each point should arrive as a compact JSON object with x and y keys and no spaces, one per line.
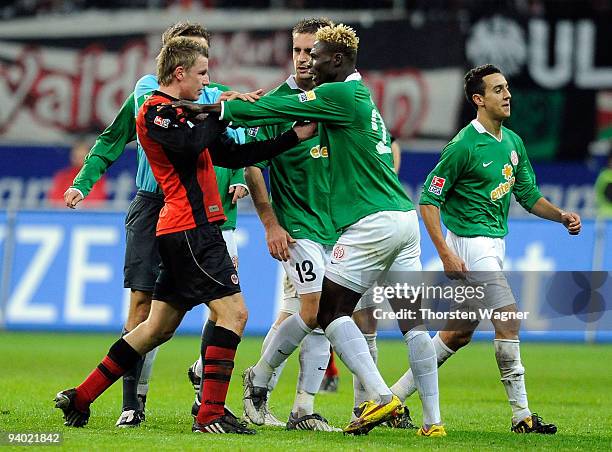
{"x":369,"y":248}
{"x":232,"y":248}
{"x":485,"y":257}
{"x":306,"y":265}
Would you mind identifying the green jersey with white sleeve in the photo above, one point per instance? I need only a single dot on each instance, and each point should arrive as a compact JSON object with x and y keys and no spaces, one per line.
{"x":474,"y":178}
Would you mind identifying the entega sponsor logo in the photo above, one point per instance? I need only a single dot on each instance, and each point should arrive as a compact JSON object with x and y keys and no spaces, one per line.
{"x":505,"y":187}
{"x":319,"y":151}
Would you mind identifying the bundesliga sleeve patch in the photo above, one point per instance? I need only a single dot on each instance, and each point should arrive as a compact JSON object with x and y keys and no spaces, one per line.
{"x":162,"y":122}
{"x":307,"y":95}
{"x":436,"y":185}
{"x":252,"y":132}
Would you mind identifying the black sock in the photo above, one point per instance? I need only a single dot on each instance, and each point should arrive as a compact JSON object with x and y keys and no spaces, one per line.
{"x":130,"y":384}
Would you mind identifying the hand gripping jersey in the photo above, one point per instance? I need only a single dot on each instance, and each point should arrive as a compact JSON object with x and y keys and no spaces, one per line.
{"x":181,"y":155}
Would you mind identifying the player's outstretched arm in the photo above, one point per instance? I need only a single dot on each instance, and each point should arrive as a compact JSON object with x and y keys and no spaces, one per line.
{"x":277,"y":238}
{"x":547,"y":210}
{"x":228,"y":154}
{"x":108,"y":147}
{"x":454,"y":266}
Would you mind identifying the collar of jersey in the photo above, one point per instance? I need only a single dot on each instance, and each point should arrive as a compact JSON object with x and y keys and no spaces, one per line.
{"x":292,"y":83}
{"x":354,"y":76}
{"x":481,"y":129}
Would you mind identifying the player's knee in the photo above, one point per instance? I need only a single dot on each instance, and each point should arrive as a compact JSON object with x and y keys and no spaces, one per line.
{"x":157,"y":333}
{"x":365,"y":321}
{"x":325,"y":317}
{"x":456,"y":339}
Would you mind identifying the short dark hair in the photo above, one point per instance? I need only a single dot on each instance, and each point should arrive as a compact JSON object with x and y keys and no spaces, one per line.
{"x":188,"y":29}
{"x":473,"y":83}
{"x":310,"y":25}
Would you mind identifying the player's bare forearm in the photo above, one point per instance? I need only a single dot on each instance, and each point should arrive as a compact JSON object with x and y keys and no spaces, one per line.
{"x":454,"y":266}
{"x":547,"y":210}
{"x":259,"y":194}
{"x":397,"y":156}
{"x":431,"y":218}
{"x":543,"y":208}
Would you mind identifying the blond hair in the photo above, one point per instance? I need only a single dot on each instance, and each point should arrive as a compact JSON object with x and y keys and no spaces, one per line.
{"x":339,"y":38}
{"x":178,"y":52}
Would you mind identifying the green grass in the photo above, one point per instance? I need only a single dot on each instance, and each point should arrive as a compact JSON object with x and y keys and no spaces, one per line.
{"x":567,"y":384}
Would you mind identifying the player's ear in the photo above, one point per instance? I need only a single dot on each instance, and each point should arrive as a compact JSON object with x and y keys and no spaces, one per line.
{"x":338,"y":58}
{"x":478,"y":99}
{"x":179,"y":73}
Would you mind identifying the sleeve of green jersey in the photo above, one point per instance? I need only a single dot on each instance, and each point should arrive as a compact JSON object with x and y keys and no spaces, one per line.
{"x":108,"y":147}
{"x":237,"y":177}
{"x":525,"y":188}
{"x":331,"y":103}
{"x":219,"y":86}
{"x":452,"y":162}
{"x":260,"y":134}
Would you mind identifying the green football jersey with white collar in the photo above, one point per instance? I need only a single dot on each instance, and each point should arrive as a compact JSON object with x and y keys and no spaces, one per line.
{"x":474,"y":179}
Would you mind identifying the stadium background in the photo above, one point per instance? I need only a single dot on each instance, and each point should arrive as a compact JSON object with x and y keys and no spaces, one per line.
{"x":66,"y":67}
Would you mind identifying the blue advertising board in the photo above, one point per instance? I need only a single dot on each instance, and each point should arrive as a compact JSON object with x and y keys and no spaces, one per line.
{"x":65,"y":269}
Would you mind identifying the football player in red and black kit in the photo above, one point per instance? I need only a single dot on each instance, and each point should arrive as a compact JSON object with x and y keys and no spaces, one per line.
{"x":196,"y":267}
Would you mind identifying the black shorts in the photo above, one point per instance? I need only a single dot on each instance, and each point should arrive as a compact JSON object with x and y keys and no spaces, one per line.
{"x":196,"y":268}
{"x":141,"y":265}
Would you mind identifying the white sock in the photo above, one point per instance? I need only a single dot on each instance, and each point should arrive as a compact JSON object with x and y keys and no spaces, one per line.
{"x":276,"y":373}
{"x":145,"y":374}
{"x":360,"y":395}
{"x":352,"y":349}
{"x":314,"y":357}
{"x":303,"y":403}
{"x":508,"y":356}
{"x":198,"y":367}
{"x":290,"y":334}
{"x":405,"y":387}
{"x":422,"y":355}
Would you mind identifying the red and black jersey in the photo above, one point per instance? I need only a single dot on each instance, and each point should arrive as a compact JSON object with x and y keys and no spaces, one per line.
{"x":181,"y":165}
{"x":182,"y":153}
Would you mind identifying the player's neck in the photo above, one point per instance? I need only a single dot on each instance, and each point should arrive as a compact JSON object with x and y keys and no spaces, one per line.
{"x":304,"y":85}
{"x":493,"y":126}
{"x":344,"y":73}
{"x":171,"y":90}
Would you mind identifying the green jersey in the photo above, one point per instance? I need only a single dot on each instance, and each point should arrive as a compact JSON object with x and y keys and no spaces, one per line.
{"x":299,"y":181}
{"x":227,"y":177}
{"x":472,"y":182}
{"x":108,"y":147}
{"x":362,"y":179}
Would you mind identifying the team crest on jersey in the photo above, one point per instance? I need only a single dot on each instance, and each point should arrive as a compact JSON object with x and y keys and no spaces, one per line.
{"x":234,"y":278}
{"x":436,"y":185}
{"x":338,"y":252}
{"x":252,"y":131}
{"x":307,"y":95}
{"x":162,"y":122}
{"x":514,"y":157}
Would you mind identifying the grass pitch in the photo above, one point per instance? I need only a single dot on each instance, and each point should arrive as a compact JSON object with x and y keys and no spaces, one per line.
{"x":567,"y":384}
